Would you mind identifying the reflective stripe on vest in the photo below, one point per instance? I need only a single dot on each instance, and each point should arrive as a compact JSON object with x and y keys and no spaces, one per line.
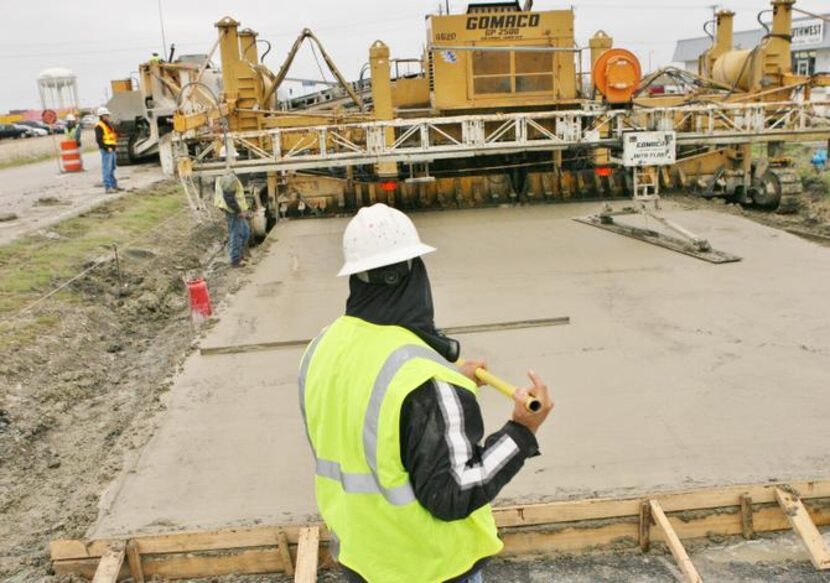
{"x":367,"y":483}
{"x":109,"y":137}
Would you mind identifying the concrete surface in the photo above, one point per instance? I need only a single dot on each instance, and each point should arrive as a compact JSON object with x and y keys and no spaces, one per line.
{"x":23,"y":188}
{"x":673,"y":373}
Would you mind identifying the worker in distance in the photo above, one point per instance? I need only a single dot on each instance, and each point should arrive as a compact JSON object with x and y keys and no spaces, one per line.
{"x":402,"y":480}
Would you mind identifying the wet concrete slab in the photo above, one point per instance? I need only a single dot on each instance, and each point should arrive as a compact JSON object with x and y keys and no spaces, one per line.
{"x":673,"y":373}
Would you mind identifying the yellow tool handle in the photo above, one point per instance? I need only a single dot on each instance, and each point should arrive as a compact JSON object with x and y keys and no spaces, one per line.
{"x":532,"y":404}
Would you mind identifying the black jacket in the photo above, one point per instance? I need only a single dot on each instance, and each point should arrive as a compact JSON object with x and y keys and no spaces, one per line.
{"x":451,"y":472}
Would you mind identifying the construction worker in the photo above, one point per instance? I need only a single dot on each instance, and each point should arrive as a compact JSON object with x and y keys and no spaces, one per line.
{"x":155,"y":59}
{"x":73,"y":129}
{"x":402,"y":481}
{"x":229,"y":196}
{"x":107,"y":141}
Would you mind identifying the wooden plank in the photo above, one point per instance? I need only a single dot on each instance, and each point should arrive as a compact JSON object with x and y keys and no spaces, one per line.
{"x":521,"y":542}
{"x":805,"y":527}
{"x":645,"y":527}
{"x":747,"y":525}
{"x":285,"y":553}
{"x":182,"y":542}
{"x":134,"y":562}
{"x":188,"y":566}
{"x":605,"y":508}
{"x":307,"y":556}
{"x":673,"y":541}
{"x":110,"y":565}
{"x":528,"y":515}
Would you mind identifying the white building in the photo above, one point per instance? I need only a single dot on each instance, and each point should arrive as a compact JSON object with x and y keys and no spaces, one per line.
{"x":810,"y":46}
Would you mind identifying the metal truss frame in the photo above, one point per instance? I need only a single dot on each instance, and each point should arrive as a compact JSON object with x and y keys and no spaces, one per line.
{"x":423,"y":140}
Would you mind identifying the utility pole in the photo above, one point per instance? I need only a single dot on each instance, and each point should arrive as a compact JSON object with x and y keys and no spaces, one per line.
{"x":447,"y":2}
{"x":163,"y":40}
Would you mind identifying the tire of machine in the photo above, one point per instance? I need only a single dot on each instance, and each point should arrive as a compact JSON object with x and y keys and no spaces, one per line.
{"x":778,"y":189}
{"x":766,"y":191}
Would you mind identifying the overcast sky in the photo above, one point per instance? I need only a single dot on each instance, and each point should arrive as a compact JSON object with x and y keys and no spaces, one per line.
{"x":101,"y":40}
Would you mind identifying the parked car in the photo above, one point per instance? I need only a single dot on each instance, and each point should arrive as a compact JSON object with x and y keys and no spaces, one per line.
{"x":36,"y":124}
{"x":31,"y":132}
{"x":8,"y":130}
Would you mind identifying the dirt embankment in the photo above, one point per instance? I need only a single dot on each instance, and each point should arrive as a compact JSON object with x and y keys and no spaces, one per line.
{"x":812,"y":221}
{"x":84,"y":373}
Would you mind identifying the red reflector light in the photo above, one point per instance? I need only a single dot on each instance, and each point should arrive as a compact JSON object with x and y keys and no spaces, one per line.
{"x":388,"y":186}
{"x":603,"y":171}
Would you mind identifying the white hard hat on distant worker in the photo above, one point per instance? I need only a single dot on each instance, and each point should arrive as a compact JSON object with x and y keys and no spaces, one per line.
{"x":378,"y":236}
{"x":102,"y":111}
{"x":70,"y":117}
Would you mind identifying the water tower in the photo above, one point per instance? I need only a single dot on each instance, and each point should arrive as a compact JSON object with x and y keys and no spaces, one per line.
{"x":58,"y":89}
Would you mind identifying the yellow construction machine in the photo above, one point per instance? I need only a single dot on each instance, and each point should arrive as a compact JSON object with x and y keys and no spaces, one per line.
{"x":499,"y":111}
{"x":143,"y":106}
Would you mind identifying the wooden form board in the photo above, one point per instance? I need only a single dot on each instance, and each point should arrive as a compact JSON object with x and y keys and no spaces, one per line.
{"x":805,"y":527}
{"x":109,"y":567}
{"x":673,"y":541}
{"x":528,"y":530}
{"x":308,"y":548}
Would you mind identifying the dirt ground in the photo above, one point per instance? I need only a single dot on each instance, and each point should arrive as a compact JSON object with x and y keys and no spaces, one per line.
{"x":79,"y":402}
{"x":83,"y":377}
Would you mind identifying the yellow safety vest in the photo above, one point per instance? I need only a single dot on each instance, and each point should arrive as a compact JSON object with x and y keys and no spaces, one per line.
{"x":110,"y":137}
{"x":353,"y":380}
{"x":219,"y":199}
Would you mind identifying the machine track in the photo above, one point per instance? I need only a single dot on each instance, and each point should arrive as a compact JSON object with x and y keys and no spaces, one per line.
{"x":124,"y":149}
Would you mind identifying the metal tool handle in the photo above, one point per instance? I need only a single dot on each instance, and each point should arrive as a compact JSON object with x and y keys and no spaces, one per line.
{"x":532,"y":404}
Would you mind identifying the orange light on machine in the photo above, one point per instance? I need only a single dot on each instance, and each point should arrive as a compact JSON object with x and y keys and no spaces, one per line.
{"x":603,"y":171}
{"x":389,"y":185}
{"x":616,"y":75}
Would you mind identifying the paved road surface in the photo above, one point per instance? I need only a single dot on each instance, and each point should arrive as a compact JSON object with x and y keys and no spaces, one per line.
{"x":41,"y":197}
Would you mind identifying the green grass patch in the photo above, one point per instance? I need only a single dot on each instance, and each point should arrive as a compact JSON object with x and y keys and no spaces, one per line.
{"x":34,"y":265}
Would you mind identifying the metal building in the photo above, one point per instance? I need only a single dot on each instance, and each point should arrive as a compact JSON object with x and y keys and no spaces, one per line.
{"x":810,"y":46}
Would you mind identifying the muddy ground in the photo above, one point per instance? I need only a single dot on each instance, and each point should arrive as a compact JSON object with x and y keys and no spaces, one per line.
{"x":83,"y":376}
{"x":78,"y":402}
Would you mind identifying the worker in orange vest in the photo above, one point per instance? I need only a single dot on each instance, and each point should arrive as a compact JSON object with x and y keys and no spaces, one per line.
{"x":107,"y":141}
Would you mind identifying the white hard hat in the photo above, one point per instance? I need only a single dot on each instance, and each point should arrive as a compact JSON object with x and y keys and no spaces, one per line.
{"x":379,"y":236}
{"x":70,"y":117}
{"x":102,"y":111}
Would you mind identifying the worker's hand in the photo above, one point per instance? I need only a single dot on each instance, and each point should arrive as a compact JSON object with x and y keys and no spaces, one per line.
{"x":468,"y":369}
{"x":539,"y":390}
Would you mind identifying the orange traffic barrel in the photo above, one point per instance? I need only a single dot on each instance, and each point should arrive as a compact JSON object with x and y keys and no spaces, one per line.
{"x":616,"y":74}
{"x":71,"y":156}
{"x":199,"y":299}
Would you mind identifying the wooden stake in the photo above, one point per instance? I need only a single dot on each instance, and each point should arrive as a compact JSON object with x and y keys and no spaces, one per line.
{"x":645,"y":527}
{"x":801,"y":522}
{"x":110,"y":565}
{"x":675,"y":546}
{"x":747,"y":524}
{"x":134,"y":562}
{"x":285,"y":553}
{"x":308,"y":550}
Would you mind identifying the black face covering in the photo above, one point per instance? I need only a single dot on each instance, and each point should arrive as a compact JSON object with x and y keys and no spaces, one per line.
{"x":400,"y":295}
